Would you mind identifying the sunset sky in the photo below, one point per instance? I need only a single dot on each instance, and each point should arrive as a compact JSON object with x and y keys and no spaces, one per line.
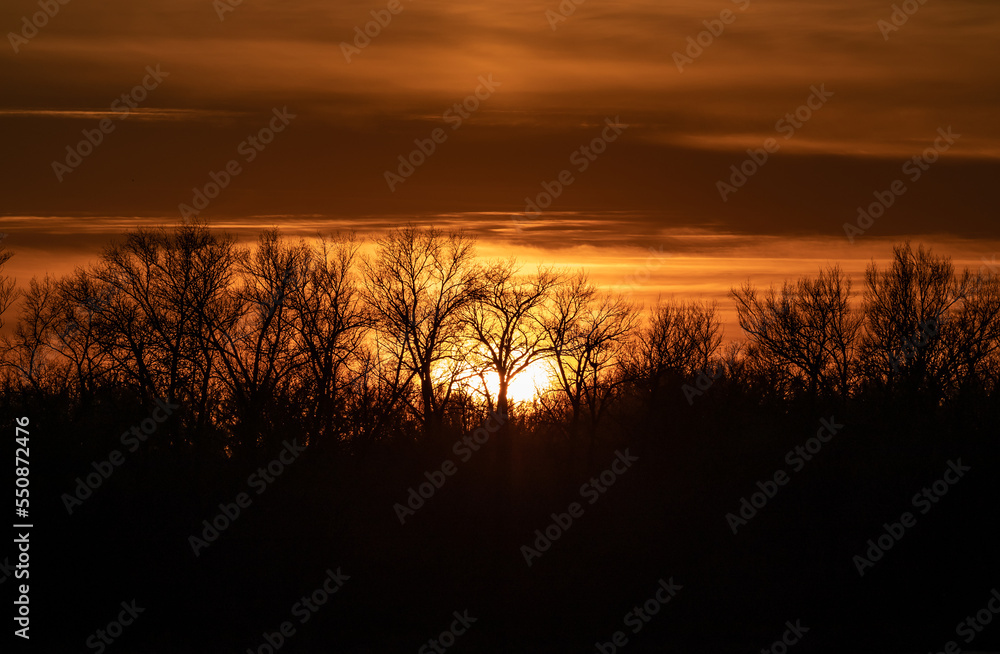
{"x":557,"y":84}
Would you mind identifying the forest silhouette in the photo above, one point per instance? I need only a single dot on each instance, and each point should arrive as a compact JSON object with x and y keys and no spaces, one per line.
{"x":385,"y":362}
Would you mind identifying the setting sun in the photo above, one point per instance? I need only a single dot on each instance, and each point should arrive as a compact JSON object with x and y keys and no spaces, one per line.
{"x":526,"y":386}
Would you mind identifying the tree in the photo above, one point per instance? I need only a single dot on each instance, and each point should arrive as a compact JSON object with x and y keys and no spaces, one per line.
{"x":587,"y":333}
{"x":165,"y":287}
{"x":29,"y":352}
{"x":418,"y":285}
{"x":79,"y":300}
{"x":505,"y":324}
{"x":678,"y":342}
{"x":809,"y":328}
{"x":926,"y":324}
{"x":8,"y":285}
{"x":330,"y":323}
{"x":250,"y":330}
{"x":973,"y":335}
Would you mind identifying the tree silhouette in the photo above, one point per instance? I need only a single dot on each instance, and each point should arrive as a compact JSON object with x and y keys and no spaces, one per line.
{"x":588,"y":333}
{"x":809,"y":329}
{"x":927,"y":327}
{"x":249,"y":333}
{"x":505,"y":324}
{"x":678,"y":342}
{"x":163,"y":289}
{"x":29,"y":354}
{"x":8,"y":285}
{"x":418,"y":283}
{"x":344,"y":350}
{"x":330,"y":322}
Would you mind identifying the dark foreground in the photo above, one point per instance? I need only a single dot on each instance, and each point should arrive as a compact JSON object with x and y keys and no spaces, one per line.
{"x":652,"y":555}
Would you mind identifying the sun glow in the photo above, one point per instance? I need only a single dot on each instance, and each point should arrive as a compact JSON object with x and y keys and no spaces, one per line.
{"x":474,"y":377}
{"x":526,"y":385}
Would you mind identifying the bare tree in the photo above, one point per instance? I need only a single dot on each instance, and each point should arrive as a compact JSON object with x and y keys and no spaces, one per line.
{"x":587,"y":333}
{"x":418,"y":283}
{"x":8,"y":285}
{"x":928,"y":327}
{"x":153,"y":325}
{"x":906,"y":307}
{"x":250,"y":330}
{"x":28,"y":352}
{"x":76,"y":336}
{"x":57,"y":336}
{"x":678,"y":342}
{"x":972,"y":337}
{"x":379,"y":397}
{"x":330,"y":323}
{"x":506,"y":326}
{"x":808,"y":328}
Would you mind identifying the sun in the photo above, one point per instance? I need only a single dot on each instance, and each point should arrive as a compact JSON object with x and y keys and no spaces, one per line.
{"x":535,"y":380}
{"x":526,"y":385}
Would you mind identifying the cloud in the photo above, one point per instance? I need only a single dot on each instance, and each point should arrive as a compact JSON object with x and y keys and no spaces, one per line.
{"x":608,"y":59}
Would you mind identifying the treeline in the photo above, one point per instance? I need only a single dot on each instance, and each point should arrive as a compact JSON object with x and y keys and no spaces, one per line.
{"x":345,"y":349}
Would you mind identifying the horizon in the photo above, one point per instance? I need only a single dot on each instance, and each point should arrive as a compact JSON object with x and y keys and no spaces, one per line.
{"x":683,"y":265}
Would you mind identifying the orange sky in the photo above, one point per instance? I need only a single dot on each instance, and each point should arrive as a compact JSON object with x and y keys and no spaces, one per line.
{"x":656,"y":184}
